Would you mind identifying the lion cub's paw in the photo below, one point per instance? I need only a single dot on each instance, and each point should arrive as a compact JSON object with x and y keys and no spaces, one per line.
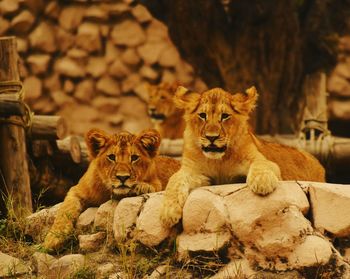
{"x":262,"y":182}
{"x":52,"y":242}
{"x":170,"y":214}
{"x":143,"y":188}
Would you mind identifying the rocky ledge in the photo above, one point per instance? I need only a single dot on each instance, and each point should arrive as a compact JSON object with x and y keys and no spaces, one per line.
{"x":295,"y":232}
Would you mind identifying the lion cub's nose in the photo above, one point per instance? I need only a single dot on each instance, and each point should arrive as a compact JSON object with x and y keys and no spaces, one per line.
{"x":212,"y":138}
{"x":152,"y":110}
{"x":123,"y":178}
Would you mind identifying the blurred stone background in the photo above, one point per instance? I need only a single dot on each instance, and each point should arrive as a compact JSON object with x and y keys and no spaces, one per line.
{"x":89,"y":62}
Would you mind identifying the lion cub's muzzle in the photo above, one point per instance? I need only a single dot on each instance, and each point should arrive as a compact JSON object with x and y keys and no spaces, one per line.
{"x":155,"y":115}
{"x":210,"y":145}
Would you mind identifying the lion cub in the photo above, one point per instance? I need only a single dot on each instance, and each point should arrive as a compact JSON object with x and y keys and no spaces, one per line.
{"x":220,"y":148}
{"x":122,"y":165}
{"x":166,"y":117}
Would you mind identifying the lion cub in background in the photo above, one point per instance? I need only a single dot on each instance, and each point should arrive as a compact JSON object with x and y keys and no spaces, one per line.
{"x":166,"y":117}
{"x":122,"y":165}
{"x":219,"y":148}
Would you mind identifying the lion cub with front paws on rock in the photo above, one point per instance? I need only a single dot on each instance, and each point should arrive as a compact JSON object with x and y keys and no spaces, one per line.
{"x":220,"y":148}
{"x":122,"y":165}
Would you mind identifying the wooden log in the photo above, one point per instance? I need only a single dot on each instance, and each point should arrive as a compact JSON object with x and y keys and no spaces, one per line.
{"x":14,"y":182}
{"x":338,"y":149}
{"x":48,"y":127}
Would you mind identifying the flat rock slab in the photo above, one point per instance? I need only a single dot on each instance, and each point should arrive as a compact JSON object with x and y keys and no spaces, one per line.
{"x":11,"y":267}
{"x":330,"y":204}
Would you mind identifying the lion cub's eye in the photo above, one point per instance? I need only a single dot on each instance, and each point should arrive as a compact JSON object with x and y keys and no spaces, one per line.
{"x":111,"y":157}
{"x":202,"y":115}
{"x":225,"y":116}
{"x":134,"y":157}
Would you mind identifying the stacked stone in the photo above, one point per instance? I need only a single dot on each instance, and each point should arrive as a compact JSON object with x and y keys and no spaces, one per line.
{"x":339,"y":84}
{"x":89,"y":61}
{"x":302,"y":226}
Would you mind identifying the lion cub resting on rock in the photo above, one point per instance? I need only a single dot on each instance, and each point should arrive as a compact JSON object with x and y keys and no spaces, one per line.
{"x":219,"y":148}
{"x":166,"y":117}
{"x":122,"y":165}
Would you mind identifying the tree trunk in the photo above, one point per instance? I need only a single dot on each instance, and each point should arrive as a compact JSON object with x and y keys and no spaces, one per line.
{"x":14,"y":181}
{"x":271,"y":44}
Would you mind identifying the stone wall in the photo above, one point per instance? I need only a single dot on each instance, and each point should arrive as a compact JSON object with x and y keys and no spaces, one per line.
{"x":89,"y":61}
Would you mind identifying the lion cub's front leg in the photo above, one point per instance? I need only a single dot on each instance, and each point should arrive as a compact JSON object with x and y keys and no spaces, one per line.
{"x":263,"y":176}
{"x":63,"y":226}
{"x":176,"y":194}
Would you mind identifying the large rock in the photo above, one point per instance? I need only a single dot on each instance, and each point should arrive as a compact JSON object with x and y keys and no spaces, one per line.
{"x":71,"y":17}
{"x":330,"y":208}
{"x":96,"y":12}
{"x":8,"y":6}
{"x":130,"y":57}
{"x":91,"y":242}
{"x":151,"y":51}
{"x":39,"y":223}
{"x":88,"y":37}
{"x":23,"y":22}
{"x":131,"y":82}
{"x":125,"y":216}
{"x":38,"y":63}
{"x":69,"y":67}
{"x":33,"y":88}
{"x":104,"y":216}
{"x":141,"y":13}
{"x":339,"y":109}
{"x":128,"y":33}
{"x":236,"y":268}
{"x":65,"y":40}
{"x":42,"y":262}
{"x":11,"y":267}
{"x":86,"y":219}
{"x":150,"y":230}
{"x":43,"y":38}
{"x":169,"y":57}
{"x":85,"y":90}
{"x":96,"y":66}
{"x":314,"y":251}
{"x":338,"y":85}
{"x":66,"y":266}
{"x":195,"y":244}
{"x":111,"y":53}
{"x":204,"y":212}
{"x":108,"y":86}
{"x":106,"y":104}
{"x":118,"y":69}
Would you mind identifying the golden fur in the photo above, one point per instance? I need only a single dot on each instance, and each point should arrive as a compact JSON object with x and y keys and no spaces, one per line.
{"x":167,"y":118}
{"x":122,"y":165}
{"x":219,"y":148}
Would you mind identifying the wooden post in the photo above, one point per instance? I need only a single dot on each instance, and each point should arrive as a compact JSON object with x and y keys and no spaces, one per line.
{"x":314,"y":135}
{"x":14,"y":176}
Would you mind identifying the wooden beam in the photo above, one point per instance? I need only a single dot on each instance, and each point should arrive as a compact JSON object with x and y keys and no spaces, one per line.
{"x":14,"y":176}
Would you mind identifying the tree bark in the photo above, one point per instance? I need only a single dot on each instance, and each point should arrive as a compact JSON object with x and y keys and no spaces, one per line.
{"x":14,"y":181}
{"x":271,"y":44}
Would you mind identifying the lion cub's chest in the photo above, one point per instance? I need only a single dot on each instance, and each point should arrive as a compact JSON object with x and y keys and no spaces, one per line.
{"x":226,"y":172}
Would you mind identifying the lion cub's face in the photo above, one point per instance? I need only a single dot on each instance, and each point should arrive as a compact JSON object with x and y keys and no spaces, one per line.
{"x":215,"y":118}
{"x":160,"y":102}
{"x":122,"y":159}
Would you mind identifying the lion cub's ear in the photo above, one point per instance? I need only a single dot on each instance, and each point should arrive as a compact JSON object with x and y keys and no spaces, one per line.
{"x":95,"y":140}
{"x":150,"y":141}
{"x":245,"y":103}
{"x":186,"y":99}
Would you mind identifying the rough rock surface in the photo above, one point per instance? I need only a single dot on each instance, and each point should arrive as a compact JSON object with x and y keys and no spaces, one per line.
{"x":330,"y":208}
